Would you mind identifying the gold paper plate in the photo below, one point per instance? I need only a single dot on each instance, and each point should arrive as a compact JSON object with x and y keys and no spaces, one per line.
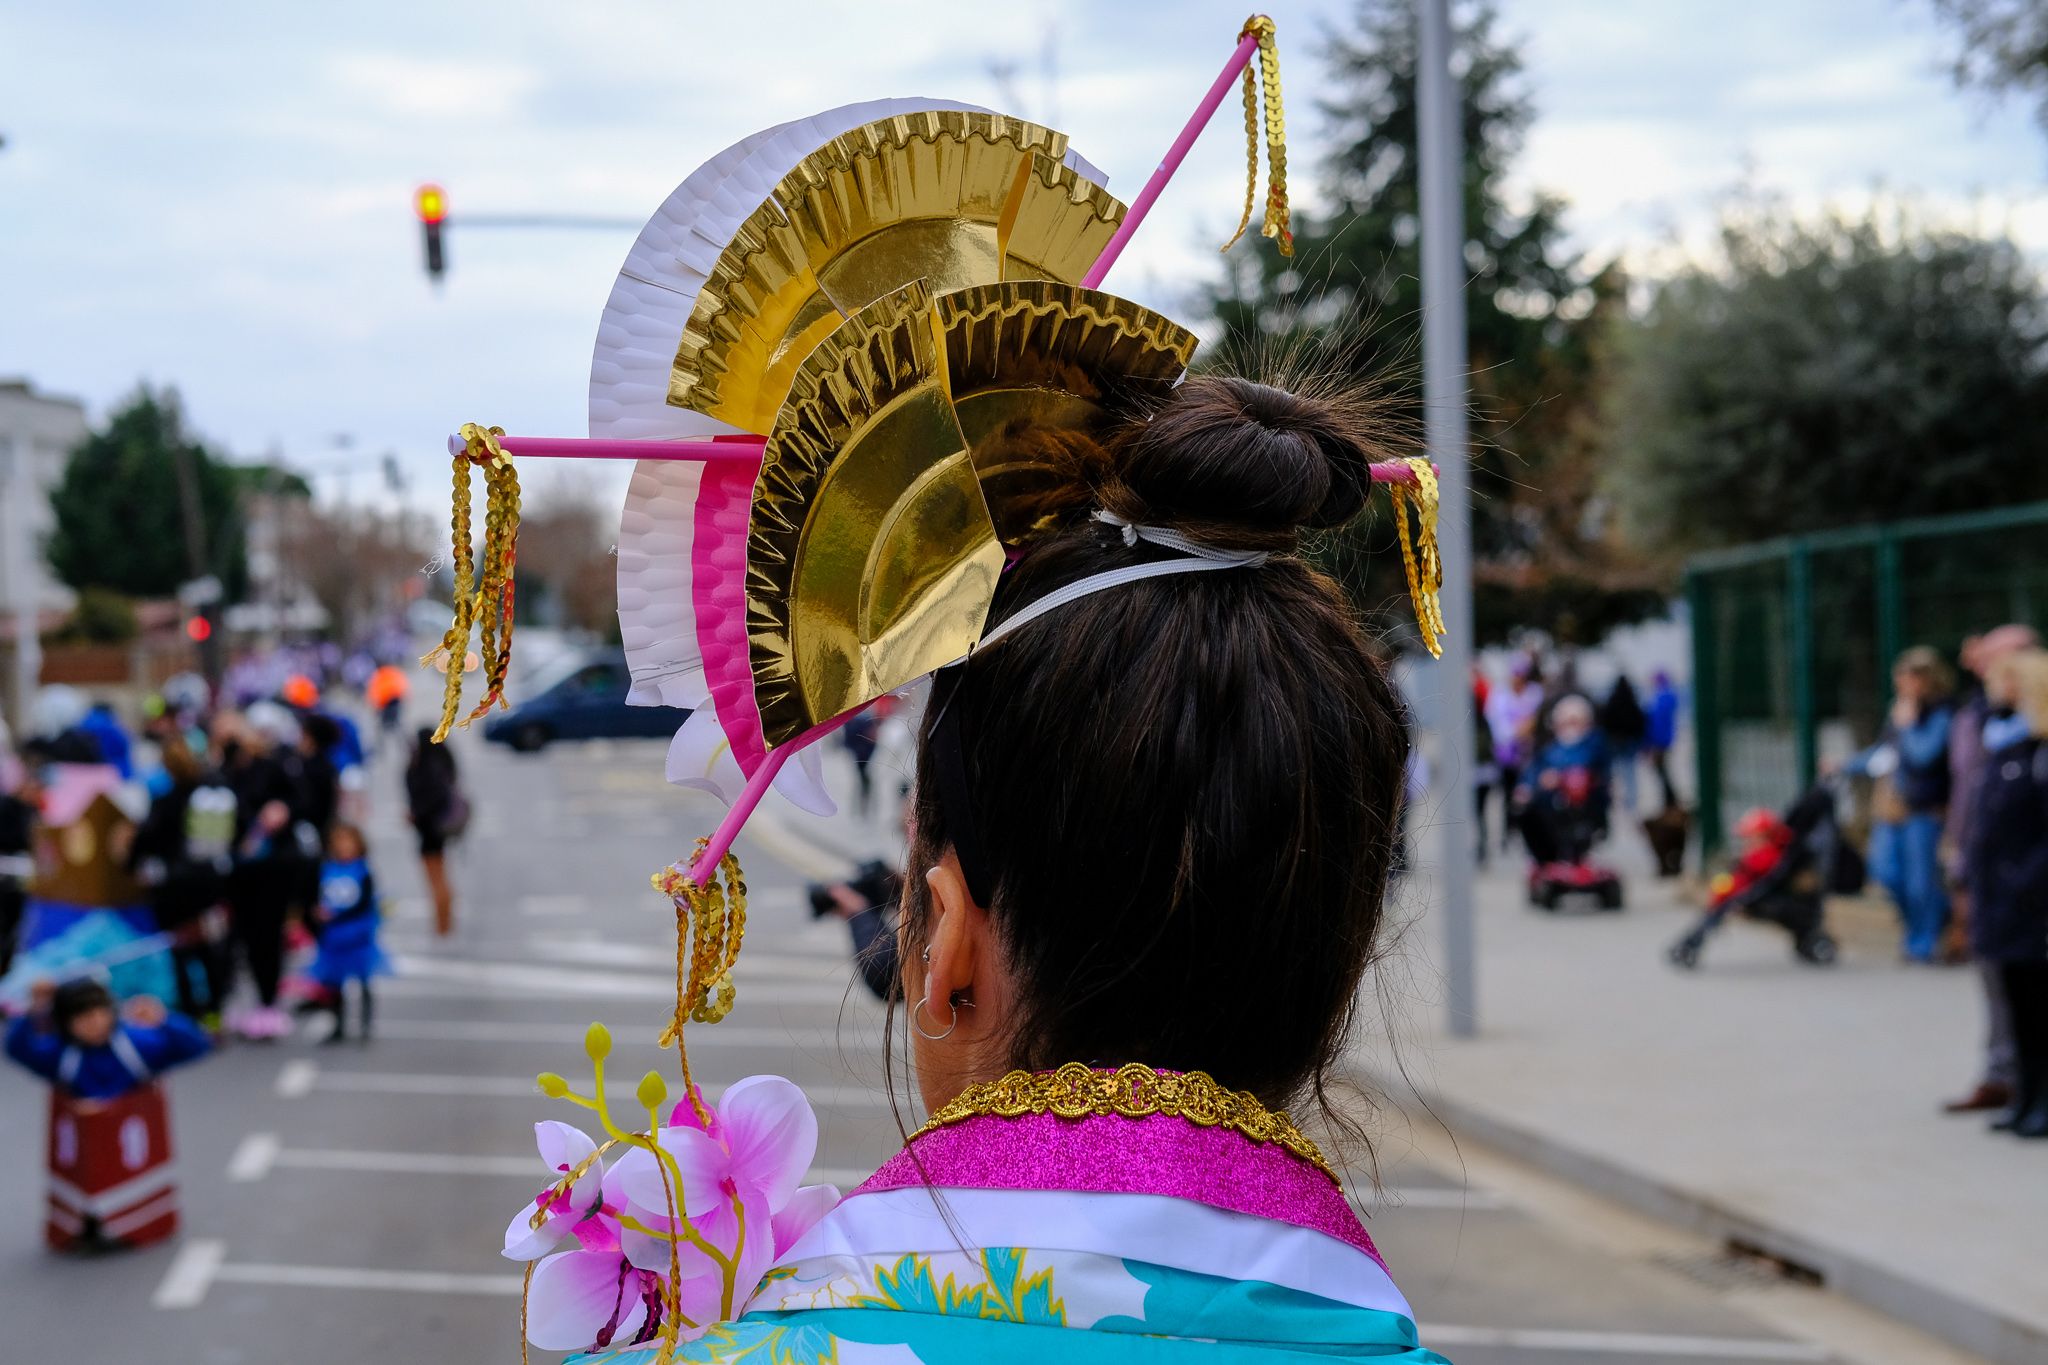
{"x":1029,"y":360}
{"x":871,"y":560}
{"x":950,"y":197}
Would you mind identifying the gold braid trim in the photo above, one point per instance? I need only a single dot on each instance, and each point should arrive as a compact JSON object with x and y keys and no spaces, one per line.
{"x":1135,"y":1091}
{"x":486,"y":601}
{"x":1419,"y":552}
{"x":1269,"y":115}
{"x":711,"y":921}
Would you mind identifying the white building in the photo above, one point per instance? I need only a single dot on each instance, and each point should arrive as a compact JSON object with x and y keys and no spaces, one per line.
{"x":37,"y":433}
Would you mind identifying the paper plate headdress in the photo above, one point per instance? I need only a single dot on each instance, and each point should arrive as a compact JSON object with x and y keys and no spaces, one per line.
{"x":825,"y":353}
{"x":831,"y":353}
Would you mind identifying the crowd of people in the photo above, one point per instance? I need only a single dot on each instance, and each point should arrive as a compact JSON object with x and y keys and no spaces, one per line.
{"x":195,"y":878}
{"x":249,"y":839}
{"x":1959,"y":842}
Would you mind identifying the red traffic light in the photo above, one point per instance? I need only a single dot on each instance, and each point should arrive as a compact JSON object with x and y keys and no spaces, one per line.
{"x":199,"y":629}
{"x":431,"y":203}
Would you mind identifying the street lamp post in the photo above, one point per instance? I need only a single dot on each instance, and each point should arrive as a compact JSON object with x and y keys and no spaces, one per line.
{"x":1441,"y":161}
{"x":21,"y":579}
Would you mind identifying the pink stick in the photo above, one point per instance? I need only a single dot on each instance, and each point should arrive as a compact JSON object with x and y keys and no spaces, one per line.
{"x":756,"y":788}
{"x":1394,"y":471}
{"x":1174,"y":156}
{"x":562,"y":447}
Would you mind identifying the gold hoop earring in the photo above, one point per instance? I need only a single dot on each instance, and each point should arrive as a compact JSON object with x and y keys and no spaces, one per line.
{"x":917,"y":1020}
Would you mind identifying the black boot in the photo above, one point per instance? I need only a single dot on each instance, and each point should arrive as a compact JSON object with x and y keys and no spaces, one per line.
{"x":369,"y":1008}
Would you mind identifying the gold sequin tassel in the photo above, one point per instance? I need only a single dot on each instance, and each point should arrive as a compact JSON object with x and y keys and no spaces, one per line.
{"x":1419,"y":551}
{"x":711,"y":922}
{"x":486,"y":601}
{"x":1272,"y":118}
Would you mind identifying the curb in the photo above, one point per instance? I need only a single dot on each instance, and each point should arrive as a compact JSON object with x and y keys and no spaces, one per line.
{"x":1966,"y":1324}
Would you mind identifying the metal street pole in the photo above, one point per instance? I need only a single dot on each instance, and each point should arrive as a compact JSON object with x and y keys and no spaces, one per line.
{"x":1441,"y":165}
{"x":21,"y":581}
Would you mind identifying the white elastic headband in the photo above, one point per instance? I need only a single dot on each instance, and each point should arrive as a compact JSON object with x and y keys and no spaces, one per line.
{"x":1197,"y":557}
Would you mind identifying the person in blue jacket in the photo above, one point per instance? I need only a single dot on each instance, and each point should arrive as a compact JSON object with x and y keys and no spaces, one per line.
{"x":345,"y":921}
{"x":74,"y":1038}
{"x":1660,"y":733}
{"x":106,"y":731}
{"x":1909,"y":763}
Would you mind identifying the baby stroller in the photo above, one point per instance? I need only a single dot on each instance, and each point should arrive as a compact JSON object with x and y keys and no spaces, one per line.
{"x":1561,"y":825}
{"x":1793,"y":862}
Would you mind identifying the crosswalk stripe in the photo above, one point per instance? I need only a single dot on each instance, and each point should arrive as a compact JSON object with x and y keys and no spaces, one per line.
{"x":704,"y":1035}
{"x":348,"y":1277}
{"x":306,"y":1077}
{"x":1621,"y":1343}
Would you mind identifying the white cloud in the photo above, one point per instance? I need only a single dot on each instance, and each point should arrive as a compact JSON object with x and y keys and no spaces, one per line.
{"x":227,"y":203}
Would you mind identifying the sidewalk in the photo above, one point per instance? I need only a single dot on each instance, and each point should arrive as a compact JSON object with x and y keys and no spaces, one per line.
{"x":1790,"y":1108}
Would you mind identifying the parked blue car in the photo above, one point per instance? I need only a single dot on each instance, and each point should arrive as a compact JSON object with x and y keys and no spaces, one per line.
{"x":589,"y":702}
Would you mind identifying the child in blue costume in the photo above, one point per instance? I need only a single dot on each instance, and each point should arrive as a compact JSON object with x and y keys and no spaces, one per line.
{"x":346,"y":922}
{"x":73,"y":1038}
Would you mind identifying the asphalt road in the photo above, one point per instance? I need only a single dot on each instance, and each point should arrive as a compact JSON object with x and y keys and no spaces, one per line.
{"x":345,"y":1203}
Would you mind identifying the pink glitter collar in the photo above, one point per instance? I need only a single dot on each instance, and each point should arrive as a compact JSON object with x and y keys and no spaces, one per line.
{"x":1112,"y":1154}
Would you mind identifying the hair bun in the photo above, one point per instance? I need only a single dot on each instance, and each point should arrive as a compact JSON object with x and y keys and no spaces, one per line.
{"x":1235,"y":453}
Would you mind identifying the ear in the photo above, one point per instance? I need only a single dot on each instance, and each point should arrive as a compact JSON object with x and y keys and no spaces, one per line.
{"x":958,"y":933}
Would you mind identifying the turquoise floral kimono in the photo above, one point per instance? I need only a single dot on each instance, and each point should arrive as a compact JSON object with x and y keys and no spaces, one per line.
{"x":1105,"y":1238}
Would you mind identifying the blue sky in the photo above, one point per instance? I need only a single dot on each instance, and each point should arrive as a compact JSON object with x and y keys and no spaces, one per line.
{"x":217,"y":195}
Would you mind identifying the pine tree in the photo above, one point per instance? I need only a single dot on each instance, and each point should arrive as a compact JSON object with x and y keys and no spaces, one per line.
{"x":1350,"y":298}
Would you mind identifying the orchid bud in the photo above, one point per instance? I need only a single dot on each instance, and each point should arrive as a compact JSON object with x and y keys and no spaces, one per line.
{"x":597,"y":1042}
{"x":653,"y":1090}
{"x":551,"y":1085}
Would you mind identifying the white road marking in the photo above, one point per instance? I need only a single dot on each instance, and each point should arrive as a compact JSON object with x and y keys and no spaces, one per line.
{"x":313,"y":1078}
{"x":800,"y":854}
{"x":1394,"y":1199}
{"x":527,"y":1032}
{"x":411,"y":1163}
{"x":405,"y":908}
{"x":592,"y":952}
{"x":295,"y":1078}
{"x":409,"y":1083}
{"x":527,"y":1167}
{"x":191,"y":1273}
{"x":531,"y":981}
{"x":254,"y":1157}
{"x":573,"y":903}
{"x":1621,"y":1343}
{"x":345,"y":1277}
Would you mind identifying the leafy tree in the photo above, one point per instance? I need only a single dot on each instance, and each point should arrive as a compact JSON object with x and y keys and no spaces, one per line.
{"x":2003,"y":46}
{"x":355,"y":562}
{"x":119,"y":518}
{"x":1824,"y":374}
{"x":1350,"y":301}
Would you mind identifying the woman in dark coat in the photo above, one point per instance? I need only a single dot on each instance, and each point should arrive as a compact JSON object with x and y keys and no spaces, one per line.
{"x":2007,"y":868}
{"x":438,"y":811}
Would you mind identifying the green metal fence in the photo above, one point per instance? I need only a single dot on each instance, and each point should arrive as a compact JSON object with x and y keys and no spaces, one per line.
{"x":1793,"y":638}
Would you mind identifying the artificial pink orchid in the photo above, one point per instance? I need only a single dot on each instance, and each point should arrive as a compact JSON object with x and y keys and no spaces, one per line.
{"x":740,"y":1194}
{"x":592,"y":1298}
{"x":749,"y":1157}
{"x":563,"y":1147}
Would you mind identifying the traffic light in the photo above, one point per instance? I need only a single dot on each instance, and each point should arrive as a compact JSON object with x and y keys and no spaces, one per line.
{"x":432,"y":206}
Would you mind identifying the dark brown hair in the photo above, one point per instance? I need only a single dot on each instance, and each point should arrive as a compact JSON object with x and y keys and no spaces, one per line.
{"x":1185,"y":790}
